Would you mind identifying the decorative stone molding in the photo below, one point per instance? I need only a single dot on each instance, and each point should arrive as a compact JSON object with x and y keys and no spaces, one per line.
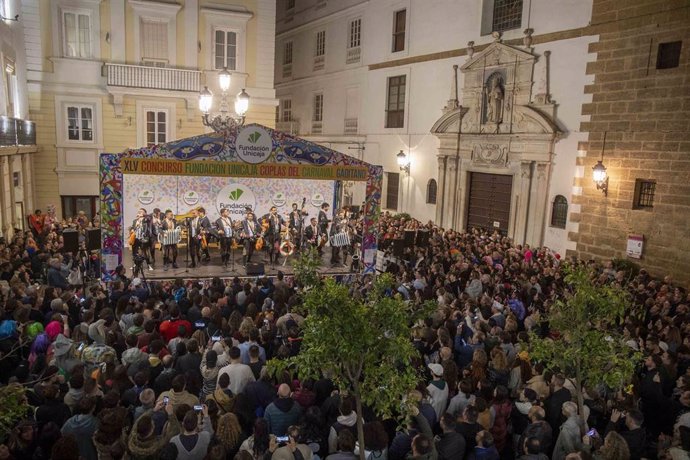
{"x":490,"y":154}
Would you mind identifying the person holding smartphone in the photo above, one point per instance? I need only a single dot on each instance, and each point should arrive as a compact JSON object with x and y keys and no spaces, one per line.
{"x":290,"y":448}
{"x":193,"y":442}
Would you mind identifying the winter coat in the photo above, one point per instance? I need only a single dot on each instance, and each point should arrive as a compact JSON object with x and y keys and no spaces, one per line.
{"x":83,"y":426}
{"x":501,"y":429}
{"x":149,"y":448}
{"x":438,"y":394}
{"x":280,"y":414}
{"x":569,"y":439}
{"x":347,"y":422}
{"x":450,"y":446}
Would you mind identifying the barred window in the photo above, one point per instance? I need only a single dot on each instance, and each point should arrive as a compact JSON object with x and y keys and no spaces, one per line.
{"x":392,"y":190}
{"x":559,"y":211}
{"x":644,"y":193}
{"x":431,"y":187}
{"x":507,"y":15}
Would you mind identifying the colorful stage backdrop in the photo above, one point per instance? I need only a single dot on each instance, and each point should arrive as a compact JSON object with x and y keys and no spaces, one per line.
{"x":184,"y":193}
{"x":219,"y":166}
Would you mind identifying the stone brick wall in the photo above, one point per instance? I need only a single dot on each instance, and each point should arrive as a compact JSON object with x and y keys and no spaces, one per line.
{"x":645,"y":112}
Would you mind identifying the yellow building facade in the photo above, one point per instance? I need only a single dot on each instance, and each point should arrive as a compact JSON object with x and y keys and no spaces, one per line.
{"x":106,"y":75}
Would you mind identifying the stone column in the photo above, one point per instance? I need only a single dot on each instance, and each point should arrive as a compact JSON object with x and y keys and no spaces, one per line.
{"x":440,"y":188}
{"x":450,"y":190}
{"x":191,"y":24}
{"x":28,"y":185}
{"x":522,"y":211}
{"x":6,"y":224}
{"x":538,"y":203}
{"x":13,"y":192}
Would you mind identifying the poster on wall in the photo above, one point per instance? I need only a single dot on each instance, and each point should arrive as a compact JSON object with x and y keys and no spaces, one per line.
{"x":634,"y":248}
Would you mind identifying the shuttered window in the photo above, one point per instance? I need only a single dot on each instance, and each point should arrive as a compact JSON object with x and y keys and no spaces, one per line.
{"x":154,"y":42}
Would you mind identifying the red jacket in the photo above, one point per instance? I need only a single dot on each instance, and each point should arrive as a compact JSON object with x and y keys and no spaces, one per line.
{"x":168,"y":328}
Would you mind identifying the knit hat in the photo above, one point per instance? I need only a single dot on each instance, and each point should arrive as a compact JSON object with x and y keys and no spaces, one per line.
{"x":62,"y":344}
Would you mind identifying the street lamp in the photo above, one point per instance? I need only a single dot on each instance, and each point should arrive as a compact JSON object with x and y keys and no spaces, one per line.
{"x":223,"y":120}
{"x":601,"y":179}
{"x":403,"y":162}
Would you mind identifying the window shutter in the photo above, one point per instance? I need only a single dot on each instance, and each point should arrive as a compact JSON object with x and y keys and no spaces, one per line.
{"x":154,"y":41}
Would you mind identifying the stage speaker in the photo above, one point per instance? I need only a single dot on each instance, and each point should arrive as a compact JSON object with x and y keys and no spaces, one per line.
{"x":409,"y":238}
{"x":398,"y":248}
{"x":93,"y":239}
{"x":422,"y":238}
{"x":255,"y":269}
{"x":71,"y":241}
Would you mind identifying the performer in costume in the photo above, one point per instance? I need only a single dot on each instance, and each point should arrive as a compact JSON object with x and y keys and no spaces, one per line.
{"x":275,"y":222}
{"x":250,"y":232}
{"x":141,"y":226}
{"x":199,"y":227}
{"x":169,"y":250}
{"x":311,"y":234}
{"x":339,"y":226}
{"x":224,"y":226}
{"x":156,"y":220}
{"x":323,"y":219}
{"x":296,"y":223}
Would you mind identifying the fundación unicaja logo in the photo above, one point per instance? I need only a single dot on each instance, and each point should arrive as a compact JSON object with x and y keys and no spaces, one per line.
{"x":235,"y":194}
{"x":236,"y":198}
{"x":253,"y":145}
{"x":191,"y":198}
{"x":146,"y":197}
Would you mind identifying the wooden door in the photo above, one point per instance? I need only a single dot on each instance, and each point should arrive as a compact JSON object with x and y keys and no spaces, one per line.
{"x":489,"y":201}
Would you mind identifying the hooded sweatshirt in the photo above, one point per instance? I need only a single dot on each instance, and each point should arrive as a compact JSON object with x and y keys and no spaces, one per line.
{"x":282,"y":413}
{"x":83,"y":426}
{"x":347,"y":422}
{"x":438,"y":394}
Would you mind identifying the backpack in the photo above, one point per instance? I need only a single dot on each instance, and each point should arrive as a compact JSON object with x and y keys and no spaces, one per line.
{"x":96,"y":354}
{"x":180,"y":294}
{"x":8,"y":329}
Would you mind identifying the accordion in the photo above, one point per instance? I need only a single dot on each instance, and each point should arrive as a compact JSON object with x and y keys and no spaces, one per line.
{"x":167,"y":237}
{"x":340,"y":239}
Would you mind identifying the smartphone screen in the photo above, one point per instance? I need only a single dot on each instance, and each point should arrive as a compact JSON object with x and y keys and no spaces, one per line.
{"x":165,"y":400}
{"x":198,"y":408}
{"x":215,"y":338}
{"x":282,"y":438}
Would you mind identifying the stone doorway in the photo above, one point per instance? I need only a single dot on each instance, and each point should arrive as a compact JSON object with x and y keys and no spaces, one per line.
{"x":489,"y":200}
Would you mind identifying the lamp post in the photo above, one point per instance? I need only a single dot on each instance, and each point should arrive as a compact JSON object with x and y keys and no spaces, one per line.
{"x":601,"y":179}
{"x":223,"y":120}
{"x":403,"y":162}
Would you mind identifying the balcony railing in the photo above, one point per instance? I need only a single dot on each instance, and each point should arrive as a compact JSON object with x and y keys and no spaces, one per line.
{"x":137,"y":76}
{"x":350,"y":126}
{"x":287,"y":70}
{"x":316,"y":127}
{"x":15,"y":132}
{"x":319,"y":62}
{"x":291,"y":127}
{"x":353,"y":55}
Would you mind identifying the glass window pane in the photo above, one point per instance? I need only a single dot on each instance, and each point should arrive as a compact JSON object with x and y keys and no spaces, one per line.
{"x":70,"y":33}
{"x":220,"y":38}
{"x":86,"y":113}
{"x":232,"y":37}
{"x":161,"y":138}
{"x":150,"y":116}
{"x":161,"y":116}
{"x":150,"y":138}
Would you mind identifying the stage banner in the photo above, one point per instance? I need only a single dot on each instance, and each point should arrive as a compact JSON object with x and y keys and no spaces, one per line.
{"x":159,"y":167}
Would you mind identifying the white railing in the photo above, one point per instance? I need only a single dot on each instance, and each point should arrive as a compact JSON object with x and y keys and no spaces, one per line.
{"x":291,"y":127}
{"x":316,"y":127}
{"x":319,"y":62}
{"x":137,"y":76}
{"x":287,"y":70}
{"x":353,"y":55}
{"x":350,"y":126}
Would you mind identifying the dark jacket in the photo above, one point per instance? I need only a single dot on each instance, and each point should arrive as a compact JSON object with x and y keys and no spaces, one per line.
{"x":83,"y":427}
{"x":553,"y":406}
{"x":450,"y":446}
{"x":280,"y":414}
{"x":540,"y":430}
{"x":57,"y":279}
{"x":53,"y":410}
{"x":469,"y":432}
{"x":636,"y":439}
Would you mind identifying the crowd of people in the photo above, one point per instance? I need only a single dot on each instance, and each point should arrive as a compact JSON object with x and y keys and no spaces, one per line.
{"x":177,"y":369}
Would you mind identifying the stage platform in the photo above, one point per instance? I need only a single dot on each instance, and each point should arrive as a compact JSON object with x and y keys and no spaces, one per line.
{"x":215,"y":268}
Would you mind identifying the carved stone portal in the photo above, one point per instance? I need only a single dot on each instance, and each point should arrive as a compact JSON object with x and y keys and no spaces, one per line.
{"x":498,"y":129}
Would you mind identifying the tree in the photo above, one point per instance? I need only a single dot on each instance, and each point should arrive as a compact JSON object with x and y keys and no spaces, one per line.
{"x":590,"y":346}
{"x":363,"y":345}
{"x":14,"y":407}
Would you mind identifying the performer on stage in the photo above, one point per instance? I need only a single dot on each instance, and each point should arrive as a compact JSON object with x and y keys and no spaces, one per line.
{"x":275,"y":222}
{"x":296,"y":223}
{"x":311,"y":234}
{"x":224,"y":226}
{"x":199,"y":228}
{"x":339,"y":226}
{"x":141,"y":226}
{"x":323,"y":219}
{"x":250,"y":231}
{"x":156,"y":221}
{"x":168,"y":225}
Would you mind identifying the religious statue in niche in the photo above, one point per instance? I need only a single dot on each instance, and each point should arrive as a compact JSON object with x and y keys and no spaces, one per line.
{"x":493,"y":99}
